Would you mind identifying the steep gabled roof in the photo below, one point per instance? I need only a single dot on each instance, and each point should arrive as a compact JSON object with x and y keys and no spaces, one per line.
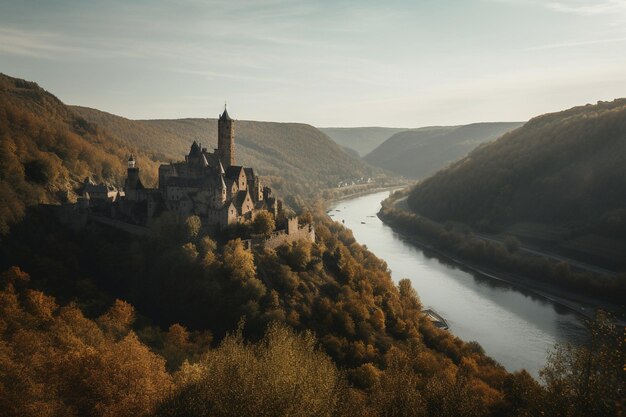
{"x":195,"y":149}
{"x":233,"y":171}
{"x":249,"y":173}
{"x":240,"y":198}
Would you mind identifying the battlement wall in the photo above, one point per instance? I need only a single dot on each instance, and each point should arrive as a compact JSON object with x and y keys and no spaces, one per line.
{"x":281,"y":237}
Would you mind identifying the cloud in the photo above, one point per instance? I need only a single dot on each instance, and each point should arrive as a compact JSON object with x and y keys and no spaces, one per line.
{"x":35,"y":44}
{"x":578,"y":7}
{"x":575,"y":44}
{"x":212,"y":75}
{"x":588,"y":8}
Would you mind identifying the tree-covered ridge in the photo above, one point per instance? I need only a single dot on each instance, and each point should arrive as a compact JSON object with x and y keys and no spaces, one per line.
{"x":327,"y":332}
{"x":295,"y":158}
{"x":46,"y":151}
{"x":56,"y":361}
{"x":561,"y":173}
{"x":48,"y":148}
{"x":419,"y":153}
{"x":371,"y":329}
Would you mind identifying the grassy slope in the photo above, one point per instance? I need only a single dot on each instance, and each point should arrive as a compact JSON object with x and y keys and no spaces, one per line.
{"x":421,"y":152}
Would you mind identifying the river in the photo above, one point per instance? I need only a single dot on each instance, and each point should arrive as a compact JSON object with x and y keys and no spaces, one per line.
{"x":514,"y":326}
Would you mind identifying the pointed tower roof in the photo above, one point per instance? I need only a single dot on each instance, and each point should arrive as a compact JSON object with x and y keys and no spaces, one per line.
{"x":225,"y":116}
{"x":195,"y":149}
{"x":131,"y":158}
{"x":221,"y":167}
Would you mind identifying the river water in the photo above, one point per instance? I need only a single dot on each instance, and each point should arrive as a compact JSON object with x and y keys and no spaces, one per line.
{"x":515,"y":327}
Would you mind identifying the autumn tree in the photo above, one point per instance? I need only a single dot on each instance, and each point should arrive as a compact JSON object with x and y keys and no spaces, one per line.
{"x":55,"y":361}
{"x":588,"y":380}
{"x":239,"y":262}
{"x":282,"y":375}
{"x":264,"y":223}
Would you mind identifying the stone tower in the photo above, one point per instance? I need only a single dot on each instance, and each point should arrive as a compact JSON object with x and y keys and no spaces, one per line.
{"x":132,"y":179}
{"x":133,"y":183}
{"x":226,"y":139}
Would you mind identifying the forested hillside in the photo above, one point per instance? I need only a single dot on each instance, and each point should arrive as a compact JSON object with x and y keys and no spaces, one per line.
{"x":560,"y":180}
{"x":214,"y":329}
{"x":362,"y":139}
{"x":46,"y":149}
{"x":295,"y":158}
{"x":323,"y":332}
{"x":418,"y":153}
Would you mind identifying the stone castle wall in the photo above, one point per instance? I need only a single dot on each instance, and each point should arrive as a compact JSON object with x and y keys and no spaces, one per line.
{"x":281,"y":237}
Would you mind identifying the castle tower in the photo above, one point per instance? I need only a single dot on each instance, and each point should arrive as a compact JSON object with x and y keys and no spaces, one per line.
{"x":226,"y":139}
{"x":132,"y":179}
{"x":133,"y":173}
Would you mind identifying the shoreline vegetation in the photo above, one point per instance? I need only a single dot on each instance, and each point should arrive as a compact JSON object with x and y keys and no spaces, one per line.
{"x":335,"y":195}
{"x":548,"y":279}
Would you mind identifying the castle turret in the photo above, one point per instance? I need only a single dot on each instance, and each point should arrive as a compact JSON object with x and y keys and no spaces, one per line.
{"x":220,"y":193}
{"x":226,"y":139}
{"x":132,"y":179}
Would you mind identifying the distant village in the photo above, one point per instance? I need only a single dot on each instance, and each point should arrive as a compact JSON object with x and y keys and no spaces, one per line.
{"x":206,"y":184}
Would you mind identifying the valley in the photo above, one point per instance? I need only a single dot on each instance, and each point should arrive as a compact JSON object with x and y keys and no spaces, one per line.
{"x":516,"y":326}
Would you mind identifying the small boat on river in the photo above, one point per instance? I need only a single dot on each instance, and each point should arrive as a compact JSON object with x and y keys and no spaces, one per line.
{"x":437,"y":320}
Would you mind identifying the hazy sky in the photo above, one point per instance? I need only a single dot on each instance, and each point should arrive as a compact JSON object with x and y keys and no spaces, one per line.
{"x":327,"y":63}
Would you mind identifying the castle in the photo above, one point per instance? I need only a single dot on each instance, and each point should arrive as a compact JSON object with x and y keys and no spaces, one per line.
{"x":207,"y":184}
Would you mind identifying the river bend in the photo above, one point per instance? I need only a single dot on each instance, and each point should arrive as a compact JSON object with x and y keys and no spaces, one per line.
{"x":514,"y":326}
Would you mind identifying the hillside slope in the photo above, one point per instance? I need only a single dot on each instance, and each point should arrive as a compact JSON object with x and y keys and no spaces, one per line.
{"x":296,"y":158}
{"x":46,"y":150}
{"x":559,"y":180}
{"x":421,"y":152}
{"x":361,"y":139}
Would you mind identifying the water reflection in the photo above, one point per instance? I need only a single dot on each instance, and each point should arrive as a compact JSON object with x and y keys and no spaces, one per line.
{"x":515,"y":326}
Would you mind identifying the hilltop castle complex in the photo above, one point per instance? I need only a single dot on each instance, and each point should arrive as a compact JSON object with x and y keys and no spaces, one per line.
{"x":207,"y":184}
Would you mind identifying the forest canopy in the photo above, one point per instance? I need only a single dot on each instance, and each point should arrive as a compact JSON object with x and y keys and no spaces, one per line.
{"x":560,"y":179}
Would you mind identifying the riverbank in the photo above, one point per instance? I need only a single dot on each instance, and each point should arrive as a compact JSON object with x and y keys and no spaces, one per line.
{"x":582,"y":304}
{"x":512,"y":325}
{"x":363,"y":192}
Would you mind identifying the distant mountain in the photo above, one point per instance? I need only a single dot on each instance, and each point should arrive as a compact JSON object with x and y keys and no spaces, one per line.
{"x":418,"y":153}
{"x":47,"y":148}
{"x":559,"y":180}
{"x":351,"y":152}
{"x":295,"y":158}
{"x":362,"y":139}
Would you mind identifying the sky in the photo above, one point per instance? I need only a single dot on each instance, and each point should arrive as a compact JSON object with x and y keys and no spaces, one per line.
{"x":326,"y":63}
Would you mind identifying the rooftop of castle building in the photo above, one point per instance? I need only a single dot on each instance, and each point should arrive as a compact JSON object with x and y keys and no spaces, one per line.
{"x":225,"y":116}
